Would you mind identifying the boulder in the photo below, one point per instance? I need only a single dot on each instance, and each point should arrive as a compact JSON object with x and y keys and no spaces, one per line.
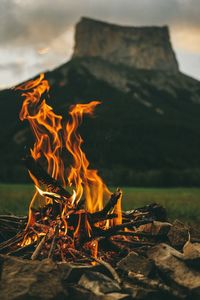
{"x":173,"y":268}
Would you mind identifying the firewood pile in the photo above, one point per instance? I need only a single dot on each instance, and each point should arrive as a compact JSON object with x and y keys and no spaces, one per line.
{"x":145,"y":257}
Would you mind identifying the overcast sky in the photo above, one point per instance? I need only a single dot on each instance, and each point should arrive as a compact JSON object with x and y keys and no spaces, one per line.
{"x":37,"y":35}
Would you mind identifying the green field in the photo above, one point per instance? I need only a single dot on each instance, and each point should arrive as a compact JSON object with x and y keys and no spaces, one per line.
{"x":181,"y":203}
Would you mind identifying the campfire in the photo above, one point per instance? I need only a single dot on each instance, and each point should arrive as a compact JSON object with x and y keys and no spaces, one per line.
{"x":73,"y":217}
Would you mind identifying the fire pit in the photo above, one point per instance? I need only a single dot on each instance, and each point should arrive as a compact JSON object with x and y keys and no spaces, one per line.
{"x":76,"y":241}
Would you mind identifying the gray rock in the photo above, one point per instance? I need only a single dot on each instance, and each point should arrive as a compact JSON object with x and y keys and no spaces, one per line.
{"x":98,"y":283}
{"x":178,"y":235}
{"x":191,"y":254}
{"x":191,"y":250}
{"x":142,"y":293}
{"x":114,"y":296}
{"x":77,"y":292}
{"x":23,"y":279}
{"x":73,"y":272}
{"x":168,"y":261}
{"x":135,"y":263}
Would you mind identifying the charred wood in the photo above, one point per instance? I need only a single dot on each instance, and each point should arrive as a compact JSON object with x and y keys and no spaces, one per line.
{"x":44,"y":178}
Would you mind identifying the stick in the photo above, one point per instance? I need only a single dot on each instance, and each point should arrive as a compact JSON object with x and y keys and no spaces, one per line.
{"x":109,"y":268}
{"x":135,"y":243}
{"x":110,"y":205}
{"x":21,"y":250}
{"x":75,"y":252}
{"x":115,"y":229}
{"x":130,"y":233}
{"x":103,"y":218}
{"x":11,"y":242}
{"x":53,"y":244}
{"x":38,"y":249}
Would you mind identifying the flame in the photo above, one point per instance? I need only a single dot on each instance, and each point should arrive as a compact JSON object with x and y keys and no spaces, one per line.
{"x":84,"y":179}
{"x":55,"y":143}
{"x":46,"y":127}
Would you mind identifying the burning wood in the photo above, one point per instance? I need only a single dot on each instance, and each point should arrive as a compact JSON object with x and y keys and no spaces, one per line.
{"x":72,"y":211}
{"x":74,"y":218}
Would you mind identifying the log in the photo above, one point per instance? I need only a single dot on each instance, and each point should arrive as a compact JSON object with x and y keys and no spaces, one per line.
{"x":153,"y":210}
{"x":108,"y":207}
{"x":44,"y":178}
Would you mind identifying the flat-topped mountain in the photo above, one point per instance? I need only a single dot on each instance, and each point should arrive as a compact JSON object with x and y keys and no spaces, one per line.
{"x":138,"y":47}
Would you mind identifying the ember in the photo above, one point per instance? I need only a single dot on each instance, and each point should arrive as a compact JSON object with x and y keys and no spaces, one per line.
{"x":75,"y":224}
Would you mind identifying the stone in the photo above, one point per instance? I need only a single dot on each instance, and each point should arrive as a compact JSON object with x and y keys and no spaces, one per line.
{"x":191,"y":250}
{"x":143,"y":293}
{"x":114,"y":296}
{"x":168,"y":261}
{"x":72,"y":272}
{"x":191,"y":254}
{"x":156,"y":228}
{"x":136,"y":47}
{"x":135,"y":263}
{"x":34,"y":280}
{"x":77,"y":292}
{"x":178,"y":235}
{"x":98,"y":283}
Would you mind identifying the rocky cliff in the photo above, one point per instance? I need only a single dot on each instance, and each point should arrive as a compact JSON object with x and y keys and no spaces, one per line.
{"x":138,"y":47}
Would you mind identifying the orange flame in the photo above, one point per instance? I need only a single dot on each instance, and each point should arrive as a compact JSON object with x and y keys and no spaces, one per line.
{"x":80,"y":175}
{"x":53,"y":139}
{"x":46,"y":127}
{"x":49,"y":131}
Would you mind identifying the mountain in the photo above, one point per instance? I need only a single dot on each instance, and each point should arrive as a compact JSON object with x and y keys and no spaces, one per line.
{"x":138,"y":47}
{"x":147,"y":129}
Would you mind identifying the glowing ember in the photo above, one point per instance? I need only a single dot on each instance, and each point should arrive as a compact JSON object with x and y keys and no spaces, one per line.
{"x":72,"y":211}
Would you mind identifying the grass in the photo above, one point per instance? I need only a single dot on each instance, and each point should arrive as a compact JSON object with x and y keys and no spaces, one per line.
{"x":181,"y":203}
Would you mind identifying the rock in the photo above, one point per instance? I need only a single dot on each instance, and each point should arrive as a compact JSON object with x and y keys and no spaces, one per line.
{"x":24,"y":279}
{"x":156,"y":228}
{"x":168,"y":261}
{"x":73,"y":272}
{"x":191,"y":254}
{"x":178,"y":235}
{"x":137,"y":47}
{"x":160,"y":228}
{"x":191,"y":250}
{"x":143,"y":293}
{"x":135,"y":263}
{"x":77,"y":292}
{"x":114,"y":296}
{"x":98,"y":283}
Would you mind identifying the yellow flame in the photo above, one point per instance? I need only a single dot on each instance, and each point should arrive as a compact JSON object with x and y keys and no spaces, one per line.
{"x":54,"y":140}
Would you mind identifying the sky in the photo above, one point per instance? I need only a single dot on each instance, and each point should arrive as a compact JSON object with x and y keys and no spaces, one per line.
{"x":38,"y":35}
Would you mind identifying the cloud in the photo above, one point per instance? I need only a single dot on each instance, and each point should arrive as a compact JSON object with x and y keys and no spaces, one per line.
{"x":40,"y":24}
{"x":187,"y":39}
